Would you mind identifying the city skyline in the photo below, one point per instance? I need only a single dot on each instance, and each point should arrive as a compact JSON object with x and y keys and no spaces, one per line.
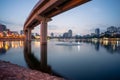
{"x":82,"y":20}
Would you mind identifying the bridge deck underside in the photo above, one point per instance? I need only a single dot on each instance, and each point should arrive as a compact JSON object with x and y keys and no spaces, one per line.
{"x":49,"y":9}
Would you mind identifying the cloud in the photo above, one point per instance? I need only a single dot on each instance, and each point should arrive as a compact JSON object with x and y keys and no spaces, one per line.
{"x":10,"y":24}
{"x":52,"y":27}
{"x":102,"y":27}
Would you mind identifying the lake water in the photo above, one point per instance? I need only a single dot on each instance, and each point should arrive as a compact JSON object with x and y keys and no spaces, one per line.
{"x":72,"y":61}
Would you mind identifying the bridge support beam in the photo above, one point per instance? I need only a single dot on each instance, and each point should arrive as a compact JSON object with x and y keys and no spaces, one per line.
{"x":43,"y":31}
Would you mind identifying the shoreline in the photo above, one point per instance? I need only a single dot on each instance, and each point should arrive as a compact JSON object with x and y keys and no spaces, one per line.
{"x":12,"y":39}
{"x":9,"y":71}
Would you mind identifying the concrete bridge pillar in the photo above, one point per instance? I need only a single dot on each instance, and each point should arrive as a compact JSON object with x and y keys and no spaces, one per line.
{"x":29,"y":34}
{"x":43,"y":31}
{"x":25,"y":33}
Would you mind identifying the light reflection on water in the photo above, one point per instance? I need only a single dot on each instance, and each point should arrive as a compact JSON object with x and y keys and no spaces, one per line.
{"x":89,"y":60}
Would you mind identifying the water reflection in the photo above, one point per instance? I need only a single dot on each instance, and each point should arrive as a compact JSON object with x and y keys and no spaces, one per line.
{"x":110,"y":46}
{"x":66,"y":60}
{"x":97,"y":45}
{"x":34,"y":63}
{"x":6,"y":45}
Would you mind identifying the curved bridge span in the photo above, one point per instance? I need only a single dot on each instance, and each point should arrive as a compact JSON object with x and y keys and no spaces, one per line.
{"x":43,"y":11}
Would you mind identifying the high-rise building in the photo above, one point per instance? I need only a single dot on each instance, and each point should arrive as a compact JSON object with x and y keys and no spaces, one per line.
{"x":97,"y":32}
{"x":21,"y":32}
{"x":52,"y":35}
{"x":70,"y":33}
{"x":2,"y":27}
{"x":118,"y":29}
{"x":65,"y":35}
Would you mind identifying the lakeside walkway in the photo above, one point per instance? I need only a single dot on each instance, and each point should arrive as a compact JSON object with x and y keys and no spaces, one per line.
{"x":9,"y":71}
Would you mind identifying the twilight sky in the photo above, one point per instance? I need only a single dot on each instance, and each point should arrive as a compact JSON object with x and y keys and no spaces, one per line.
{"x":82,"y":19}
